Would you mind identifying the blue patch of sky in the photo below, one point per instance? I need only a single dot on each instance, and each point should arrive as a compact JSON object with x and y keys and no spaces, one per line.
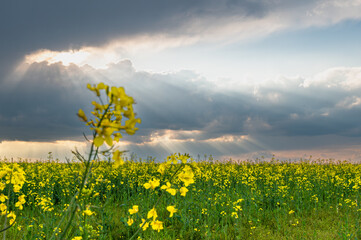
{"x":339,"y":44}
{"x":342,"y":38}
{"x":293,"y":52}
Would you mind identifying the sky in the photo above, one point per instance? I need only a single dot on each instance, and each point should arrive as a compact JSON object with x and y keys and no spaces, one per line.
{"x":233,"y":79}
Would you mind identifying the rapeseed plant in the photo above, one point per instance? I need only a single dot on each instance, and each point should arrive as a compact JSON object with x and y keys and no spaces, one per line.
{"x":107,"y":127}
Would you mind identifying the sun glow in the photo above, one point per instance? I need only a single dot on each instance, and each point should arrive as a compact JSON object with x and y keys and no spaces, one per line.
{"x":229,"y":138}
{"x":51,"y":57}
{"x":174,"y":136}
{"x":95,"y":57}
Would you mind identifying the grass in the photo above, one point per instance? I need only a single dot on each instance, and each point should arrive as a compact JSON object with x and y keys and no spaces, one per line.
{"x":247,"y":200}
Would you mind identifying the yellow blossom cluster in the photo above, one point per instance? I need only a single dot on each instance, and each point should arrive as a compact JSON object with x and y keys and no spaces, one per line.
{"x":12,"y":174}
{"x":152,"y":184}
{"x":109,"y":124}
{"x":152,"y":215}
{"x":88,"y":212}
{"x":12,"y":179}
{"x":45,"y":204}
{"x":185,"y":174}
{"x":19,"y":204}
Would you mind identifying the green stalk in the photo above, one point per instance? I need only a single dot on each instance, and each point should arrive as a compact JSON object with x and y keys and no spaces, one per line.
{"x":87,"y":172}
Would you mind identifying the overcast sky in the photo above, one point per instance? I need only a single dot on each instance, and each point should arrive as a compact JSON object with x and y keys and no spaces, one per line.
{"x":240,"y":79}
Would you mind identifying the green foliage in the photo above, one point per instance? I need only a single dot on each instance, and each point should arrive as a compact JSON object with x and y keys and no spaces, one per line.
{"x":308,"y":200}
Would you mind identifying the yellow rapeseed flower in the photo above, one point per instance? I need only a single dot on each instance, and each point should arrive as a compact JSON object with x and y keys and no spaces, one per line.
{"x":184,"y":158}
{"x":157,"y":225}
{"x":77,"y":238}
{"x":172,"y":191}
{"x":168,"y":188}
{"x":88,"y":212}
{"x":82,"y":115}
{"x":152,"y":184}
{"x":133,"y":210}
{"x":183,"y":191}
{"x":172,"y":210}
{"x":162,"y":168}
{"x":130,"y":222}
{"x":152,"y":214}
{"x":187,"y":176}
{"x":145,"y":226}
{"x":12,"y":217}
{"x":117,"y":158}
{"x":3,"y":208}
{"x":172,"y":159}
{"x":3,"y":198}
{"x":19,"y":205}
{"x":22,"y":199}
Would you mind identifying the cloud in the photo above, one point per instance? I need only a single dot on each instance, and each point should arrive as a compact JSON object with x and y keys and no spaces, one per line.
{"x":334,"y":11}
{"x":350,"y":102}
{"x":346,"y":78}
{"x":183,"y":111}
{"x":121,"y":28}
{"x":40,"y":103}
{"x":68,"y":44}
{"x":43,"y":100}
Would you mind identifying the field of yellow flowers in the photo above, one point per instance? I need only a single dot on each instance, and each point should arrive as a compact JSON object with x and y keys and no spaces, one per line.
{"x":247,"y":200}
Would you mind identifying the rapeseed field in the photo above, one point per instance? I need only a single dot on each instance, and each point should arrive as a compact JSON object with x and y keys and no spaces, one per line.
{"x":248,"y":200}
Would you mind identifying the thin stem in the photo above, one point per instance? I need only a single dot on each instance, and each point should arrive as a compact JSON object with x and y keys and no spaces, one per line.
{"x":87,"y":172}
{"x":4,"y":229}
{"x":86,"y":175}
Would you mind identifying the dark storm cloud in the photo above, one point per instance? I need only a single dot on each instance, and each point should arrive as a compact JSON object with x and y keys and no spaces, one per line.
{"x":62,"y":24}
{"x":41,"y":104}
{"x":27,"y":26}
